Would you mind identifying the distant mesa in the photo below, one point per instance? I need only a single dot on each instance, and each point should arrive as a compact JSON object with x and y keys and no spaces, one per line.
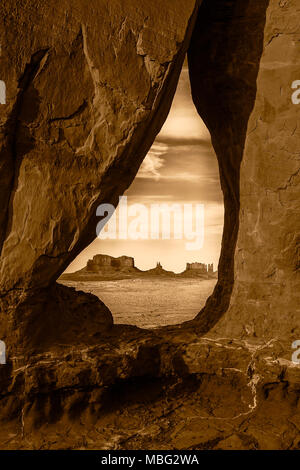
{"x":203,"y":268}
{"x":105,"y":267}
{"x":100,"y":262}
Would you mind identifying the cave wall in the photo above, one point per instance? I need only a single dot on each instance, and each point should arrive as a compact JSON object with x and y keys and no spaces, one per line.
{"x":243,"y":59}
{"x":88,"y":89}
{"x":265,"y":301}
{"x":86,"y":96}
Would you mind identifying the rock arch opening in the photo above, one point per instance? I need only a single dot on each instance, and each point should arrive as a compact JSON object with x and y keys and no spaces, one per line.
{"x":155,"y":260}
{"x":93,"y":146}
{"x":224,"y":88}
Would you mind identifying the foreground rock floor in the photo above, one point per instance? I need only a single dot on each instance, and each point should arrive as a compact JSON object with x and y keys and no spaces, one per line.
{"x":164,"y":389}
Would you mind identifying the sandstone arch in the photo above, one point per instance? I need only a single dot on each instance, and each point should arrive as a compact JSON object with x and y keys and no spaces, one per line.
{"x":92,"y":145}
{"x":247,"y":74}
{"x":68,"y":145}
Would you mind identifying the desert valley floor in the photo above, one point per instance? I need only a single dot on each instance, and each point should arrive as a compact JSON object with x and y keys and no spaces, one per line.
{"x":149,"y":303}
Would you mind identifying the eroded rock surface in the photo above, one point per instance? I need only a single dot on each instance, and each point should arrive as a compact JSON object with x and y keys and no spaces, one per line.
{"x":88,"y":89}
{"x":146,"y":391}
{"x":266,"y":294}
{"x":243,"y":59}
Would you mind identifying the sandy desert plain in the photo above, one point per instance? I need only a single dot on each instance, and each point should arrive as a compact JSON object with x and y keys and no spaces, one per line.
{"x":150,"y":303}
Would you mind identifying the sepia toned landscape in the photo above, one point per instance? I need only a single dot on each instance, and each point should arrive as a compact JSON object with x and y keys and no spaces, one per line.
{"x":138,"y":342}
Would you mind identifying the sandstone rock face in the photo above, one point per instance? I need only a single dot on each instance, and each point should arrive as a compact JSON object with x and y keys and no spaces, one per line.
{"x":88,"y":88}
{"x":266,"y":295}
{"x":243,"y":60}
{"x":51,"y":316}
{"x":104,"y":261}
{"x":146,"y":391}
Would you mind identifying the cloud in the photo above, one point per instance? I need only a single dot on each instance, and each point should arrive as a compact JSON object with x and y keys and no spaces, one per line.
{"x":159,"y":148}
{"x":179,"y":171}
{"x":183,"y":141}
{"x":150,"y":167}
{"x":179,"y":159}
{"x":153,"y":162}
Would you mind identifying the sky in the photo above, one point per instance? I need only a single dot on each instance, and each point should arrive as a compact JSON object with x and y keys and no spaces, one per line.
{"x":181,"y":167}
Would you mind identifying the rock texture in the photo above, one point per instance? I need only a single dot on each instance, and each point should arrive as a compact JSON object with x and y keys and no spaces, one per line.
{"x":105,"y":261}
{"x":265,"y":301}
{"x":86,"y":95}
{"x":243,"y":60}
{"x":52,"y":316}
{"x":146,"y":391}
